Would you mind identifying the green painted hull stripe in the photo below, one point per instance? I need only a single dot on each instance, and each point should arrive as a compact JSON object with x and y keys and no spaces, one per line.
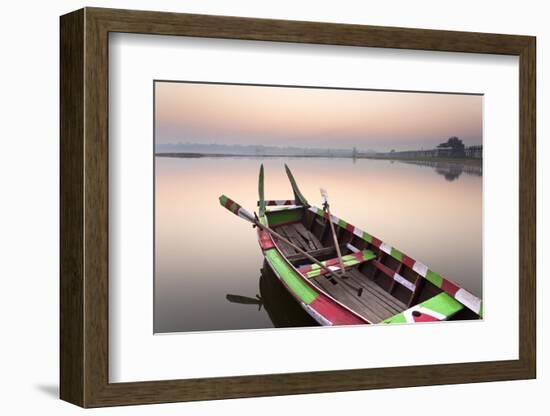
{"x":284,"y":216}
{"x":367,"y":237}
{"x":301,"y":289}
{"x":396,"y":254}
{"x":443,"y":304}
{"x":434,"y":278}
{"x":397,"y":319}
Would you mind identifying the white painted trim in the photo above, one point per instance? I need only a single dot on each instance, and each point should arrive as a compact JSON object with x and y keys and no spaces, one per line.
{"x":386,"y":248}
{"x":468,"y":300}
{"x":353,"y":248}
{"x":316,"y":315}
{"x":410,"y":318}
{"x":404,"y":282}
{"x":420,"y":268}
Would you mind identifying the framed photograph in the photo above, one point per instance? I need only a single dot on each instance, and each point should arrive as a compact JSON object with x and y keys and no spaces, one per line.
{"x":255,"y":207}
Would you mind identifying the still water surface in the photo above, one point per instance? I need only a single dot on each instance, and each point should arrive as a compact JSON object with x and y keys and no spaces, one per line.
{"x":203,"y":253}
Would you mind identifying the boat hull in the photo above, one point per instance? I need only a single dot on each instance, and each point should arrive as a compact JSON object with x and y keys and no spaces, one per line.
{"x":328,"y":310}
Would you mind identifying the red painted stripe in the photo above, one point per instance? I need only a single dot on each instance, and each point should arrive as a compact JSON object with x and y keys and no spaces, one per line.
{"x":383,"y":268}
{"x":449,"y":287}
{"x":332,"y":262}
{"x":266,"y":242}
{"x":228,"y":203}
{"x":231,"y":202}
{"x":305,"y":269}
{"x":424,"y":318}
{"x":334,"y":312}
{"x":407,"y":261}
{"x":376,"y":242}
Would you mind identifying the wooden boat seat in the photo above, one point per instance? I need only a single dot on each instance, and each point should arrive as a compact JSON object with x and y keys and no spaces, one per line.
{"x":320,"y":253}
{"x":314,"y":270}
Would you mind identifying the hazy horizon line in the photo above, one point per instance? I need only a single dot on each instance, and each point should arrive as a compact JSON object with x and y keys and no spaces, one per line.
{"x":347,"y":149}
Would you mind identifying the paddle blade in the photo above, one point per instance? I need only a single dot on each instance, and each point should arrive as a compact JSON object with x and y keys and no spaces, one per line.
{"x":236,"y":208}
{"x":297,"y":194}
{"x":243,"y":300}
{"x":261,"y":208}
{"x":324,"y":194}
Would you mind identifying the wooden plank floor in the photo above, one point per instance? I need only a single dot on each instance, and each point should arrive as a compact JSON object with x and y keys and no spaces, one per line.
{"x":375,"y":304}
{"x":393,"y":304}
{"x":298,"y":235}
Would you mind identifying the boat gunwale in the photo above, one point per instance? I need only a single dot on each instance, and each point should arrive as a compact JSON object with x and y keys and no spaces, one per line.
{"x":336,"y":221}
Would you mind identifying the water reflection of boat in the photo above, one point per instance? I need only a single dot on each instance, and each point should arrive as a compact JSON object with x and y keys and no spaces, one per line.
{"x":280,"y":306}
{"x":341,"y":275}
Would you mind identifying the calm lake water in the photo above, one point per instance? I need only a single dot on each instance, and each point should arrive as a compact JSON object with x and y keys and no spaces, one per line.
{"x":208,"y":262}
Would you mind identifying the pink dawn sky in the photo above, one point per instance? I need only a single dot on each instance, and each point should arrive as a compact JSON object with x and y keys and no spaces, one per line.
{"x":313,"y":117}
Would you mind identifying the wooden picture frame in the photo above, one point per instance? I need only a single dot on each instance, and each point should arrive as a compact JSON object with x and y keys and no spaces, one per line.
{"x":84,"y":207}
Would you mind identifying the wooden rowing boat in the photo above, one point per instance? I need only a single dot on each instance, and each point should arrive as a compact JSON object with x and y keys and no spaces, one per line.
{"x":379,"y":283}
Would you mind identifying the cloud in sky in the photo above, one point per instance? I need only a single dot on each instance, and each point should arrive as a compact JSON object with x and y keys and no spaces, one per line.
{"x":312,"y":117}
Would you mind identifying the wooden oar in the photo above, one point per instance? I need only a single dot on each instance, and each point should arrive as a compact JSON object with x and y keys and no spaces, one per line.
{"x":244,"y":300}
{"x":326,"y":207}
{"x":244,"y":214}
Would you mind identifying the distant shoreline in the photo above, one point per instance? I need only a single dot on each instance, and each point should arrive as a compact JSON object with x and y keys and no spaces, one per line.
{"x":461,"y":160}
{"x":467,"y":161}
{"x":199,"y":155}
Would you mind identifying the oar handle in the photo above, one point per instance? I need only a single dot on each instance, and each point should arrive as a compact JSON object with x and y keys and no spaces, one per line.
{"x":326,"y":207}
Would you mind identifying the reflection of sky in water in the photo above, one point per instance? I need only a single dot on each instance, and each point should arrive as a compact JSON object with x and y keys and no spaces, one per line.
{"x":203,"y":252}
